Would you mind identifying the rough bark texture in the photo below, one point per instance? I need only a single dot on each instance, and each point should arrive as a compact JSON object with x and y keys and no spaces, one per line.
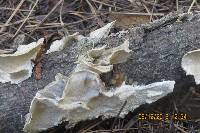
{"x":157,"y":52}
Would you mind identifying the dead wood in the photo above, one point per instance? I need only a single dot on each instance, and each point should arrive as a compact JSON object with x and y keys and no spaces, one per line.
{"x":157,"y":51}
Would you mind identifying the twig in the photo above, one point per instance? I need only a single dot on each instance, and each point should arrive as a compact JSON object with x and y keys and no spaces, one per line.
{"x":118,"y":114}
{"x":91,"y":7}
{"x":12,"y":15}
{"x":23,"y":33}
{"x":189,"y":10}
{"x":66,"y":32}
{"x":17,"y":22}
{"x":12,"y":9}
{"x":99,"y":21}
{"x":109,"y":5}
{"x":177,"y":9}
{"x":180,"y":129}
{"x":131,"y":122}
{"x":152,"y":4}
{"x":132,"y":13}
{"x":26,"y":18}
{"x":90,"y":127}
{"x":114,"y":130}
{"x":146,"y":8}
{"x":55,"y":25}
{"x":52,"y":10}
{"x":61,"y":7}
{"x":151,"y":17}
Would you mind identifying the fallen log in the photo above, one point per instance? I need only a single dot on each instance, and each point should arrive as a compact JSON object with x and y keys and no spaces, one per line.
{"x":157,"y":48}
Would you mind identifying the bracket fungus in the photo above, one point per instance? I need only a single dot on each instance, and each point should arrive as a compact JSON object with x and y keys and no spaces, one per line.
{"x":191,"y":64}
{"x":17,"y":67}
{"x":101,"y":60}
{"x":59,"y":45}
{"x":83,"y":96}
{"x":103,"y":32}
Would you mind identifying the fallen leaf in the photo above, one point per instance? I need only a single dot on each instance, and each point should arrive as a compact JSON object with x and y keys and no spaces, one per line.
{"x":128,"y":20}
{"x":38,"y":71}
{"x":40,"y":54}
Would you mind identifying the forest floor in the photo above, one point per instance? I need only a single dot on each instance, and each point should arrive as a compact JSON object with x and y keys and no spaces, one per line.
{"x":40,"y":18}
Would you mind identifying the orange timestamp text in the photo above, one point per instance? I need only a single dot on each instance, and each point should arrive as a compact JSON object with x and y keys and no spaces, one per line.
{"x":163,"y":116}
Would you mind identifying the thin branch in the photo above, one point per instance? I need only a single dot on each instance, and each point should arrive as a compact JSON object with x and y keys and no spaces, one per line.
{"x":23,"y":33}
{"x":189,"y":10}
{"x":180,"y":129}
{"x":99,"y":21}
{"x":12,"y":15}
{"x":132,"y":13}
{"x":90,"y":127}
{"x":177,"y":6}
{"x":17,"y":22}
{"x":109,"y":5}
{"x":66,"y":32}
{"x":52,"y":10}
{"x":55,"y":25}
{"x":12,"y":9}
{"x":151,"y":17}
{"x":26,"y":18}
{"x":118,"y":114}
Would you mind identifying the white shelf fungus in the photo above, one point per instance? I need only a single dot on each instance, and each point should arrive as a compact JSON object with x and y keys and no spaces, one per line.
{"x":191,"y":64}
{"x":83,"y":96}
{"x":17,"y":67}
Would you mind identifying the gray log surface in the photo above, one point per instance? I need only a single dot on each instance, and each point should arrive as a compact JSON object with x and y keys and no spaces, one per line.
{"x":157,"y":51}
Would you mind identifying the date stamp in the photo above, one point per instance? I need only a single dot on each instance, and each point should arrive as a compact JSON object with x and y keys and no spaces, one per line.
{"x":163,"y":116}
